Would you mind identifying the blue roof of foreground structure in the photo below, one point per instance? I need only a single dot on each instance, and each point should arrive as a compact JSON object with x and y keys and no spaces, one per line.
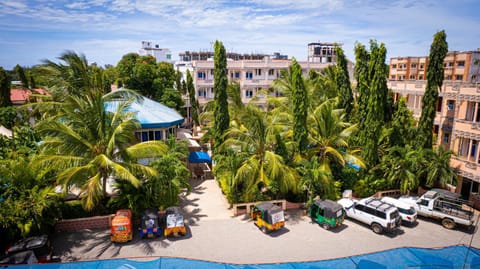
{"x":449,"y":257}
{"x":150,"y":114}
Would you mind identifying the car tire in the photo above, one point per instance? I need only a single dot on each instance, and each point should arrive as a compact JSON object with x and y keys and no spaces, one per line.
{"x":448,"y":223}
{"x":377,"y":228}
{"x":326,"y":226}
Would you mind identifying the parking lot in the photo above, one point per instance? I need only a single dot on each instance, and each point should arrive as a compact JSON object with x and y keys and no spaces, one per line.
{"x":215,"y":235}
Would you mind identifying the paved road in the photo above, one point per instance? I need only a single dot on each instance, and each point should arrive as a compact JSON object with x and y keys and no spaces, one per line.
{"x":215,"y":235}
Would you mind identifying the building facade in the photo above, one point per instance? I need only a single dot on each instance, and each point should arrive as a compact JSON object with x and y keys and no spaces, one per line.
{"x":160,"y":54}
{"x":457,"y":121}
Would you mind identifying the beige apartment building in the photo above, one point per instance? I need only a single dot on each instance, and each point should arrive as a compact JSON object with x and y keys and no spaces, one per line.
{"x":457,"y":123}
{"x":253,"y":76}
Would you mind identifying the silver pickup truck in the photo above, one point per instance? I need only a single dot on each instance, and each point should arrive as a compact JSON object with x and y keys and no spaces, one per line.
{"x":434,"y":204}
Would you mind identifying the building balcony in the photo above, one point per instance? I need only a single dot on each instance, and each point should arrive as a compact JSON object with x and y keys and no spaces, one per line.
{"x":465,"y":167}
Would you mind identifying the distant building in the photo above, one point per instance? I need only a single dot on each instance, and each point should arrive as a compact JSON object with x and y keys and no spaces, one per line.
{"x":322,"y":52}
{"x":160,"y":54}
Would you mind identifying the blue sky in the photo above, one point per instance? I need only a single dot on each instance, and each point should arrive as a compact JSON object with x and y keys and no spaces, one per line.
{"x":105,"y":30}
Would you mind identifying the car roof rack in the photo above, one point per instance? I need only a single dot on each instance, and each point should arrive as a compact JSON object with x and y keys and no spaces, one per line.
{"x":378,"y":204}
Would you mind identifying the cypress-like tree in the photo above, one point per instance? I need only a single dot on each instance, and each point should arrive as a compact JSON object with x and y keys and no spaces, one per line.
{"x":377,"y":99}
{"x":193,"y":100}
{"x":4,"y":89}
{"x":362,"y":57}
{"x":343,"y":83}
{"x":221,"y":120}
{"x":299,"y":107}
{"x":21,"y":75}
{"x":438,"y":51}
{"x":402,"y":125}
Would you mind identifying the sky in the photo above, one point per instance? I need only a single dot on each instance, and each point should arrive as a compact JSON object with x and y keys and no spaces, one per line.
{"x":105,"y":30}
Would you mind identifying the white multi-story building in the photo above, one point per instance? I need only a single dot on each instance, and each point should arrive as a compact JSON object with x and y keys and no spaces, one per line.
{"x":161,"y":54}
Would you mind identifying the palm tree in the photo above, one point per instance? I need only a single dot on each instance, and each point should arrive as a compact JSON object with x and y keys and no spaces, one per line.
{"x":262,"y":169}
{"x":328,"y":135}
{"x":438,"y":169}
{"x":86,"y":144}
{"x":316,"y":180}
{"x":400,"y":168}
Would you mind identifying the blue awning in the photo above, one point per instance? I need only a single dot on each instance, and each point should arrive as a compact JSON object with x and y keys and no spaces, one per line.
{"x":199,"y":157}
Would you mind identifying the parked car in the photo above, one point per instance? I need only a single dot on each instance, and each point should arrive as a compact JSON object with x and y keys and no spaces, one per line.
{"x":407,"y":211}
{"x":149,"y":223}
{"x":327,"y":213}
{"x":40,"y":245}
{"x":121,"y":226}
{"x":172,"y":222}
{"x":380,"y":216}
{"x":268,"y":217}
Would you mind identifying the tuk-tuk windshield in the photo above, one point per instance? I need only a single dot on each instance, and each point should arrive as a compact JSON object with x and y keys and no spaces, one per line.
{"x":174,"y":220}
{"x":277,"y":217}
{"x":120,"y":228}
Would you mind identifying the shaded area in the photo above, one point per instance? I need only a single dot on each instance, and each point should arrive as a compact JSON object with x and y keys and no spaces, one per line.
{"x":449,"y":257}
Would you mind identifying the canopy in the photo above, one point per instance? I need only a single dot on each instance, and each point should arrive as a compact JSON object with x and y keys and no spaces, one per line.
{"x":199,"y":157}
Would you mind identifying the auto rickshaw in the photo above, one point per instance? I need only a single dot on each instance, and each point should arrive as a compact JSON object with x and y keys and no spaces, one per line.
{"x":268,"y":217}
{"x":149,"y":224}
{"x":121,"y":226}
{"x":172,"y":222}
{"x":327,"y":213}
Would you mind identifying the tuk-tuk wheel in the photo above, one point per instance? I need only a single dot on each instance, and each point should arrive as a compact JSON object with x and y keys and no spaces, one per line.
{"x":264,"y":229}
{"x":325,"y":226}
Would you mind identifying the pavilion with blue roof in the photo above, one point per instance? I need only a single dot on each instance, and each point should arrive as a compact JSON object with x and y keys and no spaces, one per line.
{"x":158,"y":121}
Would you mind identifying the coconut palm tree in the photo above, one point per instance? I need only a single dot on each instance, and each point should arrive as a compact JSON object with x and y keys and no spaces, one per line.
{"x":399,"y":167}
{"x":328,"y":135}
{"x":262,"y":170}
{"x":438,"y":169}
{"x":86,"y":144}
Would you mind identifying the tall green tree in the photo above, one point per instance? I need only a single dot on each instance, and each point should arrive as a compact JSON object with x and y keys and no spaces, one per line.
{"x":342,"y":80}
{"x":377,"y":100}
{"x":221,"y":119}
{"x":438,"y":169}
{"x":299,"y":107}
{"x":194,"y":107}
{"x":401,"y":131}
{"x":362,"y":57}
{"x":86,"y":144}
{"x":21,"y":75}
{"x":4,"y":89}
{"x":438,"y":51}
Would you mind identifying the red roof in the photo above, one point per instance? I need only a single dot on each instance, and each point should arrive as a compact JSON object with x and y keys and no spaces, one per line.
{"x":21,"y":96}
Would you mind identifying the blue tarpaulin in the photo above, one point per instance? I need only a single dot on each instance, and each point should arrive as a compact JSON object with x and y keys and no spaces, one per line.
{"x":199,"y":157}
{"x":449,"y":257}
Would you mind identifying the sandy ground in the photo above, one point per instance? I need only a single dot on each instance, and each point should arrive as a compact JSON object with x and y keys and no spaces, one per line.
{"x":215,"y":235}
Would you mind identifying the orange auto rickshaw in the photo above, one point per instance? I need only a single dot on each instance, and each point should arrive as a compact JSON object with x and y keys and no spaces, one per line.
{"x":121,"y":227}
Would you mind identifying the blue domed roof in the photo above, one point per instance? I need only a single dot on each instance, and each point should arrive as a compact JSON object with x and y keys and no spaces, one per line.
{"x":150,"y":114}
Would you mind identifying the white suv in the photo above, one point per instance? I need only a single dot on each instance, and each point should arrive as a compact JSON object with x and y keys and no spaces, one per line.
{"x":380,"y":216}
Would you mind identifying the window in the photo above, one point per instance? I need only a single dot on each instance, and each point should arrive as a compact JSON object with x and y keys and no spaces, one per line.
{"x":258,"y":72}
{"x":381,"y":214}
{"x":271,"y":72}
{"x":392,"y":77}
{"x":211,"y":72}
{"x":459,"y":77}
{"x":446,"y":138}
{"x":236,"y":75}
{"x":402,"y":66}
{"x":423,"y":202}
{"x":474,"y":77}
{"x":394,"y":66}
{"x":401,"y":77}
{"x":448,"y":64}
{"x":422,"y":65}
{"x":412,"y":77}
{"x":249,"y":93}
{"x":370,"y":210}
{"x":413,"y":66}
{"x":248,"y":75}
{"x":169,"y":56}
{"x":461,"y":63}
{"x":450,"y":104}
{"x":420,"y":77}
{"x":360,"y":207}
{"x":201,"y":75}
{"x":448,"y":77}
